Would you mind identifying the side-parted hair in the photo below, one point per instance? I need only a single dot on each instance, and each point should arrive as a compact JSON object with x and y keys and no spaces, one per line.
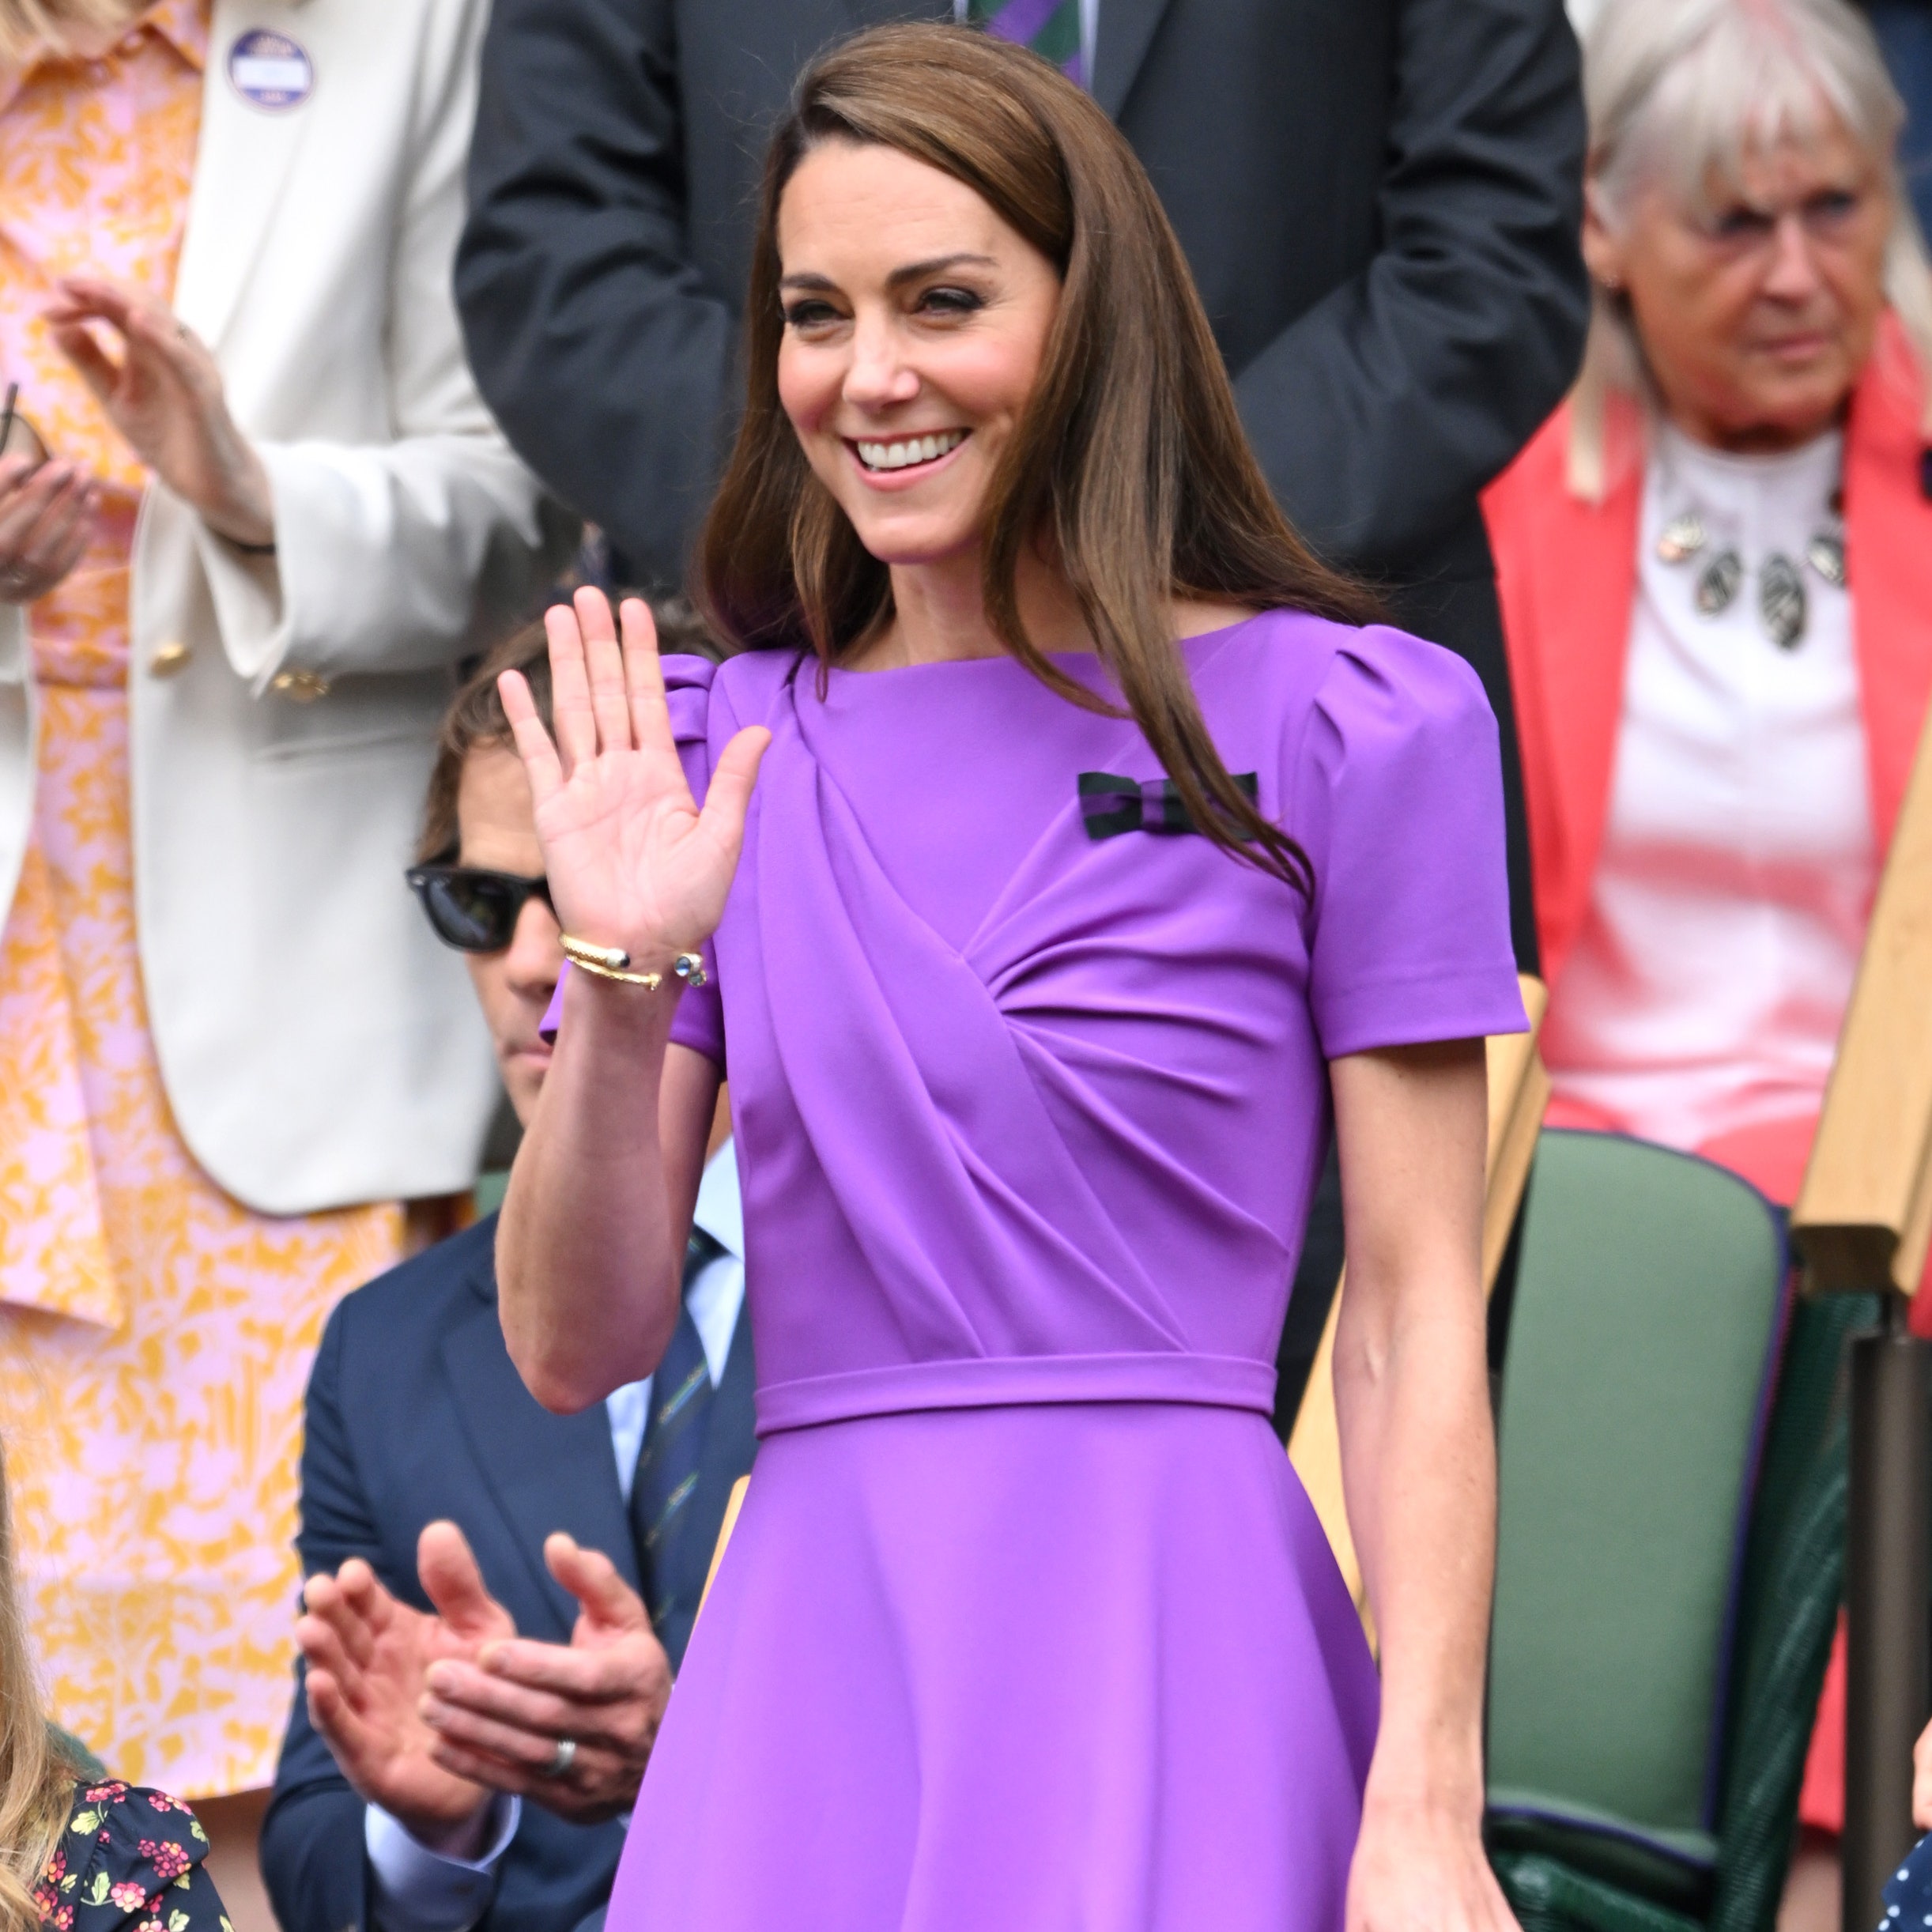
{"x":36,"y":1785}
{"x":1681,"y":94}
{"x":476,"y":720}
{"x":1128,"y":466}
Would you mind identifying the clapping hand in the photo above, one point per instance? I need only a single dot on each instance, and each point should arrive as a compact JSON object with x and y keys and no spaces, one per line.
{"x":46,"y":515}
{"x":502,"y":1717}
{"x":164,"y":395}
{"x":632,"y":861}
{"x":369,"y":1656}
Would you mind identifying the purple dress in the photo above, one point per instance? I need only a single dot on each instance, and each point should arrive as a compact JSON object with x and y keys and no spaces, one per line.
{"x":1027,"y":1622}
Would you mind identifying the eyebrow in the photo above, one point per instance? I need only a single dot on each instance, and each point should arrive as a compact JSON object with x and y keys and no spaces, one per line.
{"x":913,"y":271}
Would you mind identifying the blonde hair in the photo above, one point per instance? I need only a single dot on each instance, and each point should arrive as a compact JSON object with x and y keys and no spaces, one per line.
{"x":1681,"y":94}
{"x":36,"y":1784}
{"x":31,"y":27}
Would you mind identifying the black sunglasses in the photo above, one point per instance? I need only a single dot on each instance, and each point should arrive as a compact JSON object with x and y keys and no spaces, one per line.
{"x":473,"y":910}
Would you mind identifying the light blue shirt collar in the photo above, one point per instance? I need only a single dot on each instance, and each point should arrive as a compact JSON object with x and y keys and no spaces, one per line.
{"x":720,"y":1211}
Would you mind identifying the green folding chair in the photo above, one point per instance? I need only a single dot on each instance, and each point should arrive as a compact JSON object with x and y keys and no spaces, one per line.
{"x":1671,"y":1546}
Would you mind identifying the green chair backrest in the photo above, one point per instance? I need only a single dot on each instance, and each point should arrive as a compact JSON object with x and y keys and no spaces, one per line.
{"x":1642,"y":1342}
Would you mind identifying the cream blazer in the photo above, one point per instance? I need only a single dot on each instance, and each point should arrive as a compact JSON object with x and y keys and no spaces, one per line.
{"x":318,"y":1045}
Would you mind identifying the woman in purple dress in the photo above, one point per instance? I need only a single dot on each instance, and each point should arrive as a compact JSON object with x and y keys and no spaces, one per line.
{"x":1096,"y":844}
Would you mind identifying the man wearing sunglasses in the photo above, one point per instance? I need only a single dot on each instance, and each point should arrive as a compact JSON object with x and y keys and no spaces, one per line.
{"x":478,"y":1702}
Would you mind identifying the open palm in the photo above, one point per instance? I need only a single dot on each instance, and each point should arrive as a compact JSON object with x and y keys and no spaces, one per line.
{"x":368,"y":1656}
{"x":632,"y":860}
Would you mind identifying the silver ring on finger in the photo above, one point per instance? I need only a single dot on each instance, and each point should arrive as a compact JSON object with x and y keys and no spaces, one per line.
{"x":562,"y":1759}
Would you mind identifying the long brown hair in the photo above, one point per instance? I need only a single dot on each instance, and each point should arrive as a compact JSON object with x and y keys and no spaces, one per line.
{"x":36,"y":1785}
{"x":1128,"y":466}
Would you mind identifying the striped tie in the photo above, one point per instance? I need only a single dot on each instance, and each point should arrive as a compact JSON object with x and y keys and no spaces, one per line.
{"x":1050,"y":28}
{"x":668,"y":1466}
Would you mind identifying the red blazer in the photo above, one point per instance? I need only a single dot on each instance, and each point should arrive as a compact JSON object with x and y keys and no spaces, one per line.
{"x":1566,"y":573}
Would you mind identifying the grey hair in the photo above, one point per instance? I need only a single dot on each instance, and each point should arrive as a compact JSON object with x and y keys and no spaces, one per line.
{"x":1679,"y":94}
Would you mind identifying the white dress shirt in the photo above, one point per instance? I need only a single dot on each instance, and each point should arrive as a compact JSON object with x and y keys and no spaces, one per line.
{"x":1738,"y":865}
{"x":416,"y":1889}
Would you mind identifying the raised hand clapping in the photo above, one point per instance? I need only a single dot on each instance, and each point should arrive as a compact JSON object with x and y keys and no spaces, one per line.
{"x":632,"y":861}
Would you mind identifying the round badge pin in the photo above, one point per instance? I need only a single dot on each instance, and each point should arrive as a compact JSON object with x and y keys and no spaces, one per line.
{"x":270,"y":70}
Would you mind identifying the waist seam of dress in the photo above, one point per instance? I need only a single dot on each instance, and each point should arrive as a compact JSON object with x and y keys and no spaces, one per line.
{"x":1017,"y":1381}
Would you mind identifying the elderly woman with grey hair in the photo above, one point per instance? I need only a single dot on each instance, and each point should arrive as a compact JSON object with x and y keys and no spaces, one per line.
{"x":1716,"y":563}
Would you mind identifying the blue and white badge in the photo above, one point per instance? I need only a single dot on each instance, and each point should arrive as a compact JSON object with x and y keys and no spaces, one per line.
{"x":270,"y":70}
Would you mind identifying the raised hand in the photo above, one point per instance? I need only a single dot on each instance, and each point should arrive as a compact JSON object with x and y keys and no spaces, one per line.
{"x":501,"y":1718}
{"x":165,"y":396}
{"x":369,"y":1656}
{"x":632,"y":861}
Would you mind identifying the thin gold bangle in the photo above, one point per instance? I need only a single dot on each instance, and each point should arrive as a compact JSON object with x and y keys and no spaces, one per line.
{"x":613,"y":963}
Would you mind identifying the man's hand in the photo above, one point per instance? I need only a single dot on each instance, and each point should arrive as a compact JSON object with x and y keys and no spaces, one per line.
{"x":369,"y":1659}
{"x":499,"y":1718}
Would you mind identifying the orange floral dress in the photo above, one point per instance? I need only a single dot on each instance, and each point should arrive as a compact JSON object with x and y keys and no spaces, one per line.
{"x":155,"y":1335}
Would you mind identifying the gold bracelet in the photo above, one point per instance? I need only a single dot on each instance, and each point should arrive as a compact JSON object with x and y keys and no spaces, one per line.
{"x":613,"y":963}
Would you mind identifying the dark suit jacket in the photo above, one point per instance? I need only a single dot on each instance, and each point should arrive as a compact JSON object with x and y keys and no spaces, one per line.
{"x":415,"y":1412}
{"x":1380,"y":200}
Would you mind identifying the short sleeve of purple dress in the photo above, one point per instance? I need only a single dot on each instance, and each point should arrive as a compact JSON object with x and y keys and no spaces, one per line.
{"x":1026,"y":1621}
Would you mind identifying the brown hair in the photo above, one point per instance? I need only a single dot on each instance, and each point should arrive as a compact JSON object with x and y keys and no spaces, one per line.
{"x":36,"y":1784}
{"x":476,"y":720}
{"x":1129,"y":463}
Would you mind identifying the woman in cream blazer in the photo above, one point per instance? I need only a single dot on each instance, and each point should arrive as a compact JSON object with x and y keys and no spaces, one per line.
{"x":292,"y":517}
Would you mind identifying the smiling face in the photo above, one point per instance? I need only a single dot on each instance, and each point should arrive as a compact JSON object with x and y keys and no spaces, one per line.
{"x":498,"y":825}
{"x":1757,"y":317}
{"x":915,"y":324}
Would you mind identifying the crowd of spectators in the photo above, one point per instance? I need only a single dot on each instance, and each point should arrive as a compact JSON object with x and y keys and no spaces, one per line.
{"x":323,"y":344}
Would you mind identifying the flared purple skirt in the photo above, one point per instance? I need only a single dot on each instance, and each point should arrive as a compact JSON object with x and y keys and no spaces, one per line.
{"x":1076,"y":1667}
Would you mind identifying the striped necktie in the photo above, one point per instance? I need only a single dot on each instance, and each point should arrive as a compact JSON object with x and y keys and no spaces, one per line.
{"x":1050,"y":28}
{"x":668,"y":1467}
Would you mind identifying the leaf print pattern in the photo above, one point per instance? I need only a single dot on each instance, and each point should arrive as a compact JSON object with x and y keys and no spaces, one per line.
{"x":141,"y":1870}
{"x":155,"y":1335}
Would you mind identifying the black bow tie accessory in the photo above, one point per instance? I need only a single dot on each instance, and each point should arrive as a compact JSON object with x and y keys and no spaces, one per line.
{"x":1110,"y":804}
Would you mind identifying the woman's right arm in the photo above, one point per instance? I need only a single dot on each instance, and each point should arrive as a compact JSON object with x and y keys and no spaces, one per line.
{"x":589,"y":1248}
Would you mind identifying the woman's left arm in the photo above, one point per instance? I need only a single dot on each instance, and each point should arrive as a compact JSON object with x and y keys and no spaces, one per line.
{"x":1418,"y":1458}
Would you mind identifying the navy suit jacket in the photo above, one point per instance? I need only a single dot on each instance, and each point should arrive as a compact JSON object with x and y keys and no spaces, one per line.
{"x":415,"y":1412}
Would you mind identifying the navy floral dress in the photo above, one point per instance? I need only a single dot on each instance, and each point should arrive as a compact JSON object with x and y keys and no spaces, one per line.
{"x":129,"y":1858}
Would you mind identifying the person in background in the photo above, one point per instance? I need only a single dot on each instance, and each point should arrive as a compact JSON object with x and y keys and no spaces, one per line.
{"x":1904,"y":32}
{"x":440,"y":1770}
{"x":80,"y":1851}
{"x":252,"y":513}
{"x":1715,"y":563}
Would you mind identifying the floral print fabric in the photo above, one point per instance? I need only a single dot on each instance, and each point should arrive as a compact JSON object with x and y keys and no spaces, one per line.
{"x":129,"y":1858}
{"x":155,"y":1335}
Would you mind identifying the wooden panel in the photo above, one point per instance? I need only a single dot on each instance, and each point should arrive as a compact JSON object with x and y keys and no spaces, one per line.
{"x":1864,"y":1214}
{"x":733,"y":1503}
{"x":1518,"y":1092}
